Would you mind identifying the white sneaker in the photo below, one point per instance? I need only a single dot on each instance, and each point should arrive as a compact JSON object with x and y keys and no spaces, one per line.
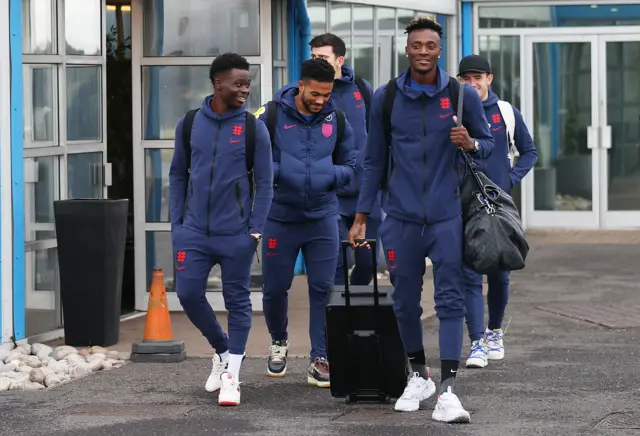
{"x":229,"y":390}
{"x":448,"y":409}
{"x":477,"y":355}
{"x":495,"y":344}
{"x":417,"y":390}
{"x":219,"y":366}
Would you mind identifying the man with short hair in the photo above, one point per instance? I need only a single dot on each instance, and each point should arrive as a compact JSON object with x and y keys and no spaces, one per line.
{"x":509,"y":131}
{"x":215,"y":217}
{"x":412,"y":128}
{"x":351,"y":95}
{"x":313,"y":158}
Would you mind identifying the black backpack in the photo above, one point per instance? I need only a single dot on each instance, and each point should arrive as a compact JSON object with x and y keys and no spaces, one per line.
{"x":250,"y":142}
{"x":387,"y":109}
{"x":272,"y":115}
{"x":366,"y":96}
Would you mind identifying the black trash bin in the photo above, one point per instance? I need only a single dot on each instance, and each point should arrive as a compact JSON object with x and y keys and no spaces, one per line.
{"x":91,"y":237}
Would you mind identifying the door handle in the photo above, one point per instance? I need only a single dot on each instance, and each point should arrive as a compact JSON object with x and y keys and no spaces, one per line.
{"x":606,"y":137}
{"x":592,"y":137}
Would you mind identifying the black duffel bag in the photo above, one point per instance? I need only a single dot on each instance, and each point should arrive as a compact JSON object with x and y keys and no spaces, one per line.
{"x":494,"y":239}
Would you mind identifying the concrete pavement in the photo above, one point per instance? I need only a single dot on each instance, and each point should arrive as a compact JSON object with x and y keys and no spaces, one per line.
{"x":562,"y":375}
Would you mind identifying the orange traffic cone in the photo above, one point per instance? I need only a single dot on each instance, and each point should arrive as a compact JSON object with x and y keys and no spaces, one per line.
{"x":158,"y":323}
{"x":157,"y":344}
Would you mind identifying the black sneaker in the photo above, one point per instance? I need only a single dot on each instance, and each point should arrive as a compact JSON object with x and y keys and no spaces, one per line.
{"x":277,"y":363}
{"x":318,"y":373}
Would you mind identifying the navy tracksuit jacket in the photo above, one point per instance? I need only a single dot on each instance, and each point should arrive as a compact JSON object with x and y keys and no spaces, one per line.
{"x":422,"y":201}
{"x":348,"y":98}
{"x":304,"y":212}
{"x":498,"y":168}
{"x":212,"y":216}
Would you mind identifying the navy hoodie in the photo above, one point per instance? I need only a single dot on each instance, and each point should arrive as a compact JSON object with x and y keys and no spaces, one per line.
{"x":305,"y":176}
{"x":348,"y":98}
{"x":425,"y":177}
{"x":497,"y":166}
{"x":214,"y":198}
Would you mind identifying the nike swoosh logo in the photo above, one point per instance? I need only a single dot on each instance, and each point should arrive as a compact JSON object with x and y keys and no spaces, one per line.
{"x":180,"y":268}
{"x":443,"y":116}
{"x":392,"y":267}
{"x":359,"y":106}
{"x":233,"y":141}
{"x":289,"y":126}
{"x":495,"y":129}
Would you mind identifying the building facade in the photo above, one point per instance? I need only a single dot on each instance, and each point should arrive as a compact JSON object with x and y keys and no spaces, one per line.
{"x":90,"y":92}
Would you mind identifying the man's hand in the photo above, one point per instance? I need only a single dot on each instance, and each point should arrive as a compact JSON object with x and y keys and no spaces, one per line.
{"x":460,"y":137}
{"x":358,"y":231}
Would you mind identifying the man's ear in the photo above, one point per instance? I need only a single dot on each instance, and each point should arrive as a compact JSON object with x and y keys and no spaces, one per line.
{"x":489,"y":79}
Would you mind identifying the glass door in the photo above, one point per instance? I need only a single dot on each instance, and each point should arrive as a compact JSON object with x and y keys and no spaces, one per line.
{"x":619,"y":108}
{"x":561,"y":108}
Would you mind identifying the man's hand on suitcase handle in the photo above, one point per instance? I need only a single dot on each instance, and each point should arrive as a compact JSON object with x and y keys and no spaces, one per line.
{"x":357,"y":234}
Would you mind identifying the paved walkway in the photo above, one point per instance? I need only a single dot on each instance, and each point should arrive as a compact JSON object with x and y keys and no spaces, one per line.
{"x":562,"y":375}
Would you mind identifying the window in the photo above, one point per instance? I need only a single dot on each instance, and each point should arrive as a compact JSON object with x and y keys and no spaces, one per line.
{"x":64,"y":144}
{"x":200,"y":27}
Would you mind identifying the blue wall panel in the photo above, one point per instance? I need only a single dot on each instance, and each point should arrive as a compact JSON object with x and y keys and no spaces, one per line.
{"x":466,"y":47}
{"x":17,"y":176}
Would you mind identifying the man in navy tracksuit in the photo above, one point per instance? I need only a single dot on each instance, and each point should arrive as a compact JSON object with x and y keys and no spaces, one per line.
{"x":214,"y":217}
{"x":423,"y":206}
{"x":488,"y":344}
{"x":313,"y":158}
{"x":349,"y":94}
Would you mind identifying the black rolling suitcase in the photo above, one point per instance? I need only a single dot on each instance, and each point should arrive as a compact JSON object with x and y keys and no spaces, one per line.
{"x":367,"y":361}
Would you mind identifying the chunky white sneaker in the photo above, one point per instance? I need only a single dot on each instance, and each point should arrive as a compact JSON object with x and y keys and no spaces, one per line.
{"x":417,"y":390}
{"x":477,"y":355}
{"x":229,"y":390}
{"x":448,"y":409}
{"x":495,"y":344}
{"x":218,"y":367}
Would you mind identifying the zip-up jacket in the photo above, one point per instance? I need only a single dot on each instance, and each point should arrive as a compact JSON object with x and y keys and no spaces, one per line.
{"x":425,"y":177}
{"x":306,"y":178}
{"x":214,"y":198}
{"x":497,"y":166}
{"x":348,"y":98}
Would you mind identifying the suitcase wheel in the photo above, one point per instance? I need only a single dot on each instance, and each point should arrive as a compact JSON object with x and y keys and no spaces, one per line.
{"x":348,"y":399}
{"x":387,"y":399}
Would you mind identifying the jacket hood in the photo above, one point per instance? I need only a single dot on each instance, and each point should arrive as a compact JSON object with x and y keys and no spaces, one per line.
{"x":491,"y":100}
{"x":286,"y":96}
{"x":348,"y":75}
{"x":403,"y":83}
{"x":205,"y":108}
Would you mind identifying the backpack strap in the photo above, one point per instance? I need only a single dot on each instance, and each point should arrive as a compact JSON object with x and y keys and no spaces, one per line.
{"x":250,"y":148}
{"x":272,"y":118}
{"x":366,"y":96}
{"x":340,"y":121}
{"x":506,"y":110}
{"x":187,"y":125}
{"x":387,"y":109}
{"x":454,"y":90}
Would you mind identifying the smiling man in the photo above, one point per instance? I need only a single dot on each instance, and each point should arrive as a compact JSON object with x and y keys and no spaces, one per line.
{"x":313,"y":158}
{"x":421,"y":198}
{"x":215,"y":216}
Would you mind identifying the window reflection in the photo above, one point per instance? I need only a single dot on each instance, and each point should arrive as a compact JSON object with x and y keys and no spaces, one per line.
{"x":559,"y":16}
{"x":37,"y":29}
{"x":317,"y":10}
{"x":341,"y":26}
{"x":83,"y":27}
{"x":201,"y":27}
{"x":362,"y":47}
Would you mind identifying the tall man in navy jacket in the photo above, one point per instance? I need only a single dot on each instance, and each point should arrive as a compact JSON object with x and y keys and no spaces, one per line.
{"x":423,"y":206}
{"x":215,"y":220}
{"x":489,"y":345}
{"x":310,"y":165}
{"x":349,"y":96}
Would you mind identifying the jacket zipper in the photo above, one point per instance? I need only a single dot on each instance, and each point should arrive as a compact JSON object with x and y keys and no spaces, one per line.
{"x":308,"y":169}
{"x":238,"y":200}
{"x":213,"y":161}
{"x":186,"y":202}
{"x":424,"y":158}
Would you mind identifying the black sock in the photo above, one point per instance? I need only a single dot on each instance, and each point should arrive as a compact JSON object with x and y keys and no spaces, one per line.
{"x":448,"y":369}
{"x":418,"y":363}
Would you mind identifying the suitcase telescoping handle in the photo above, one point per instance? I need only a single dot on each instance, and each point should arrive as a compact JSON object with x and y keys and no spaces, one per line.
{"x":345,"y":267}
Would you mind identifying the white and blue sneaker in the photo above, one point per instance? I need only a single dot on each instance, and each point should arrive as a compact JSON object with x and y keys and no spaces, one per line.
{"x":495,"y":344}
{"x":478,"y":354}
